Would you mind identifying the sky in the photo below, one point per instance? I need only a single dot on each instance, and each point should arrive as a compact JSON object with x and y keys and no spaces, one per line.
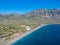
{"x":24,"y":6}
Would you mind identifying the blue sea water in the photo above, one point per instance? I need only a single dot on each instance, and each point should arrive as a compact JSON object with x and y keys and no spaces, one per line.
{"x":46,"y":35}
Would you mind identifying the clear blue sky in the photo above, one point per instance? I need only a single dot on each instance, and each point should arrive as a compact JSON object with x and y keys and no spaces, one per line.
{"x":23,"y":6}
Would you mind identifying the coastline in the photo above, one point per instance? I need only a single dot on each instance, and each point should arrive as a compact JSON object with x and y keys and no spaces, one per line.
{"x":25,"y":34}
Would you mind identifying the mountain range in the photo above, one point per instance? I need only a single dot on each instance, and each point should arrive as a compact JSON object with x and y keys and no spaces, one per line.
{"x":36,"y":16}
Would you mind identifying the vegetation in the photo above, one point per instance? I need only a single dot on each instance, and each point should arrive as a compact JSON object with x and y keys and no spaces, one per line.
{"x":15,"y":23}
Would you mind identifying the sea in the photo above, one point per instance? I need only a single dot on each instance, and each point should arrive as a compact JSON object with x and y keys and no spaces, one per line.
{"x":46,"y":35}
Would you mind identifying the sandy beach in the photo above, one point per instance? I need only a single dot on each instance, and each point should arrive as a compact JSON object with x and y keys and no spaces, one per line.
{"x":25,"y":34}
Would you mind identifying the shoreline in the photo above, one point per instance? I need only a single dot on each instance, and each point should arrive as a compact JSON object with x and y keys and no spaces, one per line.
{"x":25,"y":34}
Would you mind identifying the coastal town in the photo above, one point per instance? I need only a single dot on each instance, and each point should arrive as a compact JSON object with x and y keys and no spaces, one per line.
{"x":11,"y":34}
{"x":15,"y":26}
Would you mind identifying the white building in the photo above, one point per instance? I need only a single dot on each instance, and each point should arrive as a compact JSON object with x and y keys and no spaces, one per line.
{"x":28,"y":28}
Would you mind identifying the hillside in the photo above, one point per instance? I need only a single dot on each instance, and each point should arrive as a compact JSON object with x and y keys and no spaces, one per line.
{"x":16,"y":23}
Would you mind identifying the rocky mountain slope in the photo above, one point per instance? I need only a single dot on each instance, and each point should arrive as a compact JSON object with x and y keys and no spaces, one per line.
{"x":45,"y":13}
{"x":39,"y":15}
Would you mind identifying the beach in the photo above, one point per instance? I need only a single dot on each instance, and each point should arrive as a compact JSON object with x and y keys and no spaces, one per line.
{"x":23,"y":35}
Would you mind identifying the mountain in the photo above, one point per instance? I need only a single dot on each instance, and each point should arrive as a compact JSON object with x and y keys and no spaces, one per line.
{"x":38,"y":13}
{"x":38,"y":16}
{"x":45,"y":13}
